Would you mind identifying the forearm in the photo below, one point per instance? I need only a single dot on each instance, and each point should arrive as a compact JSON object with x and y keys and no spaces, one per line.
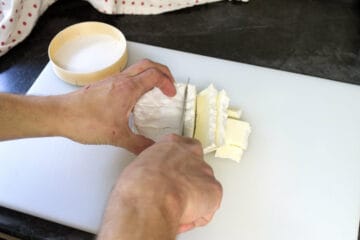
{"x":128,"y":221}
{"x":30,"y":116}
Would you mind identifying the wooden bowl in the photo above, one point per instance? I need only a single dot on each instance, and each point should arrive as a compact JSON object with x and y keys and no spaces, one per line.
{"x":88,"y":52}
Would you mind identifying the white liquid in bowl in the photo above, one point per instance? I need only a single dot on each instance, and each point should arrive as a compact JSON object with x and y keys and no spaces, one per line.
{"x":89,"y":53}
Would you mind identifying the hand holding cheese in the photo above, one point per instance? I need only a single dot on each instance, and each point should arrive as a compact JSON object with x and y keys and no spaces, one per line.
{"x":167,"y":189}
{"x":218,"y":127}
{"x":101,"y":111}
{"x":96,"y":114}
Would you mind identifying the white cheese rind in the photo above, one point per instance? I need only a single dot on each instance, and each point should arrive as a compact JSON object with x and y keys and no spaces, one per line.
{"x":237,"y":133}
{"x":156,"y":114}
{"x":156,"y":133}
{"x":205,"y":126}
{"x":189,"y":121}
{"x":230,"y":152}
{"x":222,"y":105}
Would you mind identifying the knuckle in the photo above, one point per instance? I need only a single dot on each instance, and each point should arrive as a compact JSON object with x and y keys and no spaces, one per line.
{"x":172,"y":137}
{"x":163,"y":67}
{"x":145,"y":61}
{"x":197,"y":144}
{"x":169,"y":138}
{"x":218,"y":188}
{"x":197,"y":147}
{"x":153,"y":71}
{"x":207,"y":169}
{"x":167,"y":69}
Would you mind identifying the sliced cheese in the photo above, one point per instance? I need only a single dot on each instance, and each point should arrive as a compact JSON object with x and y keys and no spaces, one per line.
{"x":156,"y":114}
{"x":237,"y":133}
{"x":216,"y":126}
{"x":189,"y":120}
{"x":205,"y":126}
{"x":230,"y":152}
{"x":222,"y":105}
{"x":234,"y":113}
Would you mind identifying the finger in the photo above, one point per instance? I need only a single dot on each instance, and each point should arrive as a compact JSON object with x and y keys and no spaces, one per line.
{"x":201,"y":222}
{"x":217,"y":191}
{"x":210,"y":195}
{"x":208,"y":170}
{"x":144,"y":64}
{"x":137,"y":143}
{"x":195,"y":146}
{"x":220,"y":193}
{"x":186,"y":227}
{"x":151,"y":78}
{"x":209,"y":217}
{"x":172,"y":137}
{"x":191,"y":144}
{"x":214,"y":201}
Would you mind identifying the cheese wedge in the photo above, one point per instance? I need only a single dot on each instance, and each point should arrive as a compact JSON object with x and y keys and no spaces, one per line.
{"x":222,"y":105}
{"x":237,"y":133}
{"x":234,"y":113}
{"x":189,"y":120}
{"x":230,"y":152}
{"x":206,"y":118}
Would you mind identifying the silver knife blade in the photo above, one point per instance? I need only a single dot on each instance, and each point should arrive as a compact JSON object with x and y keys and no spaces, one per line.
{"x":182,"y":120}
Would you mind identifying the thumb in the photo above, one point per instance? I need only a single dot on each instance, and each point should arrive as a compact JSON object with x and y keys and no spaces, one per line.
{"x":186,"y":227}
{"x":137,"y":143}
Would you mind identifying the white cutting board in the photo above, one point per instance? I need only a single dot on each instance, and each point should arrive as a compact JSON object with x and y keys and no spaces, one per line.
{"x":299,"y":179}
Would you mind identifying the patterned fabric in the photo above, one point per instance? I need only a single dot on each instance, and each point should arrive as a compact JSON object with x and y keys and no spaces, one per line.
{"x":18,"y":17}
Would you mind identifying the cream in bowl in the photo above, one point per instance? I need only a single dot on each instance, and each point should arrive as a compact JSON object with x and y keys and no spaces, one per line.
{"x":88,"y":52}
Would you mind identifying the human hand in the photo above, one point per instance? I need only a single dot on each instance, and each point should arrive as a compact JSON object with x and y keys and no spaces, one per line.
{"x":99,"y":113}
{"x":168,"y":188}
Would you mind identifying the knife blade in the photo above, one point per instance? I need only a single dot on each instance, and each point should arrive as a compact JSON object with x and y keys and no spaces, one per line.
{"x":182,"y":120}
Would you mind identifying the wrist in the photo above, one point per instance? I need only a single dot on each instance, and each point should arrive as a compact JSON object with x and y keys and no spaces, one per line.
{"x":145,"y":217}
{"x":54,"y":114}
{"x":64,"y":124}
{"x":73,"y":121}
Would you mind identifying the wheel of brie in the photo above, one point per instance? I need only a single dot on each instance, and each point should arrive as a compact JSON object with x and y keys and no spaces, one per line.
{"x":156,"y":114}
{"x":207,"y":118}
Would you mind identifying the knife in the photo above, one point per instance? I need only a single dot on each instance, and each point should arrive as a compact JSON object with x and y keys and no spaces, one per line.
{"x":182,"y":120}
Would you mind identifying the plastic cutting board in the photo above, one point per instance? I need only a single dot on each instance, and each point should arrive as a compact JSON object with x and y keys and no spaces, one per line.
{"x":299,"y":178}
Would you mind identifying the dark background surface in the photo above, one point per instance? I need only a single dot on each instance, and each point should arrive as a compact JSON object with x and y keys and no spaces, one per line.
{"x":313,"y":37}
{"x":319,"y":38}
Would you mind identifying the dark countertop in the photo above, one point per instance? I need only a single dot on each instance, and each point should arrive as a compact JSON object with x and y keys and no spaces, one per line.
{"x":314,"y":37}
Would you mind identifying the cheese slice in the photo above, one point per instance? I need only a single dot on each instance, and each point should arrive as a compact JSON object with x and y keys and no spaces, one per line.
{"x":205,"y":126}
{"x":156,"y":114}
{"x":222,"y":105}
{"x":234,"y":113}
{"x":237,"y":133}
{"x":189,"y":119}
{"x":230,"y":152}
